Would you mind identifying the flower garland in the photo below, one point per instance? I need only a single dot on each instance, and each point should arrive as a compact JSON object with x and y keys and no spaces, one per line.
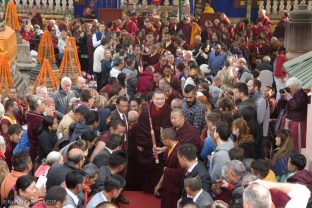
{"x":11,"y":18}
{"x":45,"y":49}
{"x":70,"y":60}
{"x":6,"y":79}
{"x":46,"y":70}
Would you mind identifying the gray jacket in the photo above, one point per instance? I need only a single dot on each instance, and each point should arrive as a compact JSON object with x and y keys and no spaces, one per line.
{"x":131,"y":82}
{"x":204,"y":200}
{"x":219,"y":158}
{"x":61,"y":100}
{"x":95,"y":200}
{"x":263,"y":115}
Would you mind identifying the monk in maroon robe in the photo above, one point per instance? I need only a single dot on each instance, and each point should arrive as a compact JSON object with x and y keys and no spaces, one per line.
{"x":161,"y":63}
{"x":279,"y":31}
{"x":186,"y":133}
{"x":186,"y":28}
{"x":132,"y":27}
{"x":171,"y":94}
{"x":33,"y":120}
{"x":150,"y":172}
{"x":265,"y":20}
{"x":171,"y":79}
{"x":169,"y":186}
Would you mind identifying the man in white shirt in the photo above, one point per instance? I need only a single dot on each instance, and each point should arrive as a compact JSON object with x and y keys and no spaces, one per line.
{"x":118,"y":66}
{"x":112,"y":188}
{"x":74,"y":181}
{"x":98,"y":56}
{"x":193,"y":188}
{"x":98,"y":36}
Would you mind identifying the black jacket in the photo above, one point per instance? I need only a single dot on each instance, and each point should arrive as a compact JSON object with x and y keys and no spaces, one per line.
{"x":204,"y":175}
{"x":47,"y":141}
{"x":101,"y":159}
{"x":237,"y":195}
{"x":57,"y":173}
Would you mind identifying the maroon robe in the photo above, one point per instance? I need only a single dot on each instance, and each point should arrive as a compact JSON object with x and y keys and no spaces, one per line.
{"x":187,"y":30}
{"x":174,"y":94}
{"x":188,"y":134}
{"x":170,"y":47}
{"x":149,"y":172}
{"x":9,"y":147}
{"x":173,"y":178}
{"x":151,"y":59}
{"x":131,"y":176}
{"x":33,"y":120}
{"x":175,"y":83}
{"x":157,"y":67}
{"x":144,"y":81}
{"x":264,"y":20}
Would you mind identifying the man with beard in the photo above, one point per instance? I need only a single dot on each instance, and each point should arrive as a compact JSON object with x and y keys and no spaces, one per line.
{"x":158,"y":113}
{"x":241,"y":96}
{"x":243,"y":73}
{"x":193,"y":110}
{"x":185,"y":132}
{"x":254,"y":89}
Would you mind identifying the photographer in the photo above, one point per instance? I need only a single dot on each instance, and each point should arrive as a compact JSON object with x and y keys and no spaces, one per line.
{"x":295,"y":101}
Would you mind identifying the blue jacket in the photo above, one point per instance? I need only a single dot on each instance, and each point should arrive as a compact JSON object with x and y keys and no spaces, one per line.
{"x":22,"y":144}
{"x":215,"y":63}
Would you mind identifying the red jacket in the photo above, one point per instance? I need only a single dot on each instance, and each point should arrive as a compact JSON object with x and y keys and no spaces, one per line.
{"x":144,"y":81}
{"x":281,"y":59}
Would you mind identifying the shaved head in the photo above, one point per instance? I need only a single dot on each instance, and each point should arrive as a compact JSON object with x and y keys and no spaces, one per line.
{"x":133,"y":115}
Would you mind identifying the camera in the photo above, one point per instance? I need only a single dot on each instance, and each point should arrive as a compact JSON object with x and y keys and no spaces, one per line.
{"x":286,"y":89}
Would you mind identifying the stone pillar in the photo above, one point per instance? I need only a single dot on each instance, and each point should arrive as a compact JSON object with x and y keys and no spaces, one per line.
{"x":298,"y":32}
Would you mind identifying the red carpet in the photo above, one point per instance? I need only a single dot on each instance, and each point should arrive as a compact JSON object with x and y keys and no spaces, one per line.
{"x":139,"y":199}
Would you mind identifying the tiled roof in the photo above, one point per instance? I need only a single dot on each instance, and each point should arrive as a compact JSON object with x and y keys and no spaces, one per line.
{"x":301,"y":68}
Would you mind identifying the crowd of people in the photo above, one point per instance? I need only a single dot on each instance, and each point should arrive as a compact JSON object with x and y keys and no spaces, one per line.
{"x":198,"y":120}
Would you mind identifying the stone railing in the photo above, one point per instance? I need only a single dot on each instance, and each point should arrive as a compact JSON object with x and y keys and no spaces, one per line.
{"x":48,"y":7}
{"x":273,"y":7}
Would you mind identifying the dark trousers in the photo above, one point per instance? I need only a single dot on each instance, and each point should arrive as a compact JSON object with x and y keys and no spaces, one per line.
{"x":99,"y":82}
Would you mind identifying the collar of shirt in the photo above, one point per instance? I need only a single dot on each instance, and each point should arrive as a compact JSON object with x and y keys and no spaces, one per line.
{"x":192,"y":167}
{"x":72,"y":195}
{"x":110,"y":151}
{"x":103,"y":196}
{"x":197,"y":195}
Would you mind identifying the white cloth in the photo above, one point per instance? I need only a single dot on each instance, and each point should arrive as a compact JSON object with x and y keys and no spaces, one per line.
{"x":61,"y":45}
{"x":98,"y":56}
{"x":114,"y":72}
{"x":299,"y":196}
{"x":197,"y":195}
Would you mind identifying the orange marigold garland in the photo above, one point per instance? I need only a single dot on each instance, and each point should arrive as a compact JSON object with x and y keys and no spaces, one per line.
{"x":11,"y":18}
{"x":45,"y":49}
{"x":46,"y":70}
{"x":5,"y":74}
{"x":70,"y":60}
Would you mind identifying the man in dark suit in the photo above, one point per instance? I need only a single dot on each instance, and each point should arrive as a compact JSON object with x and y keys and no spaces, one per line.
{"x":120,"y":112}
{"x":193,"y":188}
{"x":188,"y":160}
{"x":112,"y":145}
